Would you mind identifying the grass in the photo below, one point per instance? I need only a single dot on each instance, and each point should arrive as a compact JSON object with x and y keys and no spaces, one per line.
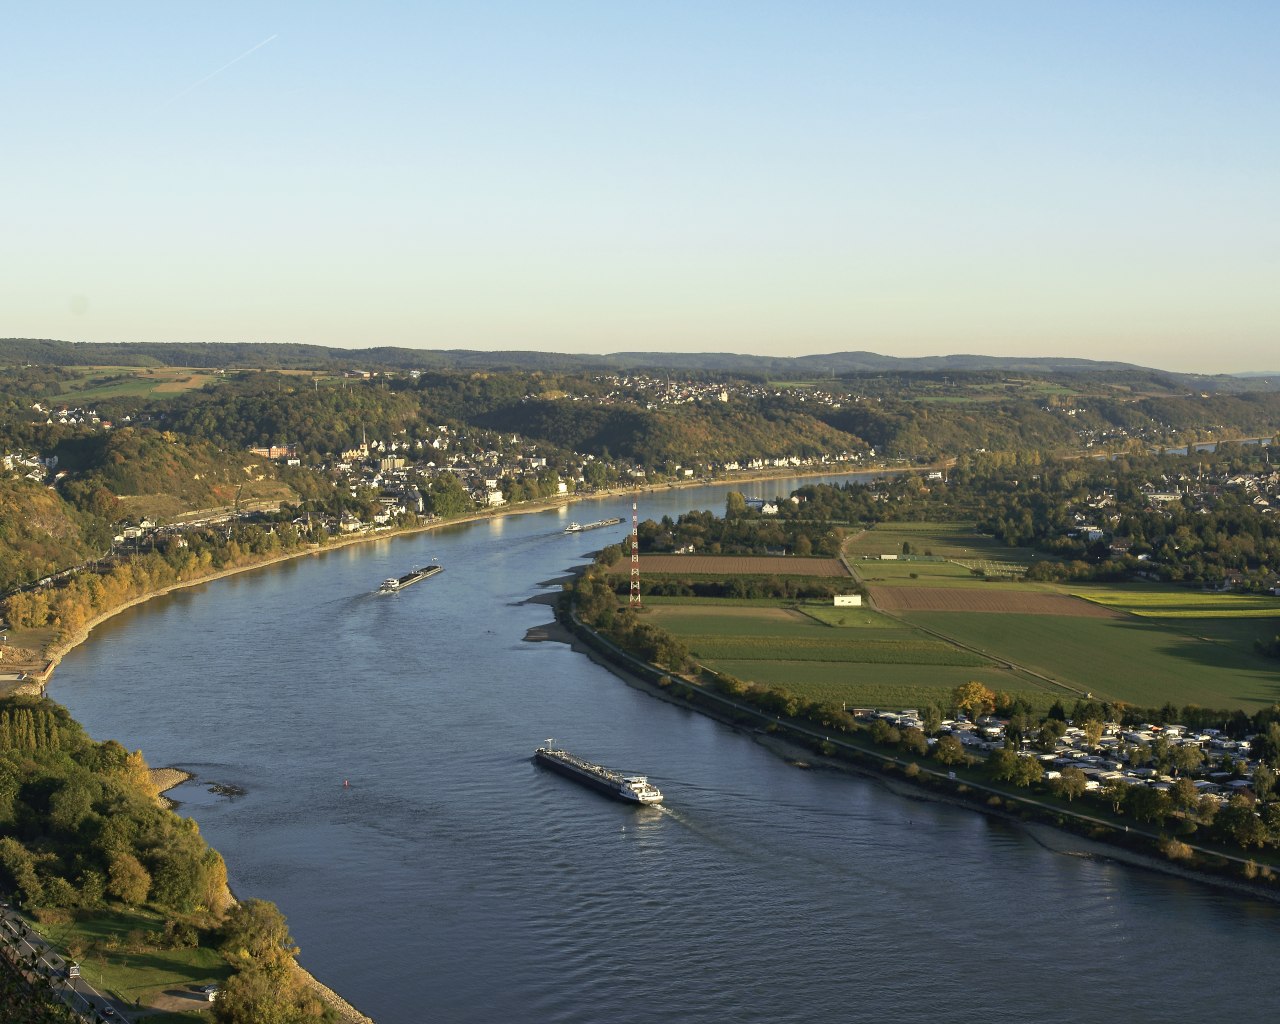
{"x":775,"y":624}
{"x":820,"y":652}
{"x":1180,"y":603}
{"x":1141,"y":661}
{"x":656,"y":601}
{"x":850,"y":618}
{"x":127,"y":974}
{"x":943,"y":540}
{"x":880,"y":686}
{"x":911,"y":573}
{"x":94,"y":383}
{"x":867,"y":652}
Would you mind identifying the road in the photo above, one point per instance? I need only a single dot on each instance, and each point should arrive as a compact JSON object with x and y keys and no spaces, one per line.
{"x":41,"y":960}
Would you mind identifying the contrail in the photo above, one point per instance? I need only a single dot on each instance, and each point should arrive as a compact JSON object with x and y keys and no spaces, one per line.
{"x":213,"y":74}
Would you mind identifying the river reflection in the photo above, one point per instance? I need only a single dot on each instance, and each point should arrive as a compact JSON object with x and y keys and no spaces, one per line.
{"x":454,"y":880}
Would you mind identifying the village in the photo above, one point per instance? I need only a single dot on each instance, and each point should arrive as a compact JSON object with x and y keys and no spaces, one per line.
{"x":1151,"y":755}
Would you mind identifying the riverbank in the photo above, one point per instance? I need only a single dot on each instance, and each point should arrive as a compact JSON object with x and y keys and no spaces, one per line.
{"x":52,"y":655}
{"x":887,"y":770}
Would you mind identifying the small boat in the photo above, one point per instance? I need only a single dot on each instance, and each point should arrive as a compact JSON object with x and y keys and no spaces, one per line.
{"x":629,"y":788}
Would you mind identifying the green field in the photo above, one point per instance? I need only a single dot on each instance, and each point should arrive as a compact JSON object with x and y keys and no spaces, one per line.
{"x":943,"y":540}
{"x":657,"y":601}
{"x":879,"y":686}
{"x":911,"y":573}
{"x":93,"y":383}
{"x":1179,"y":602}
{"x":115,"y":962}
{"x":853,"y":655}
{"x":1141,"y":661}
{"x":849,"y":618}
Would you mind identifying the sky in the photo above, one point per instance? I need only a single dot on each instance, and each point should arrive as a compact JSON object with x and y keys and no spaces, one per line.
{"x":913,"y":178}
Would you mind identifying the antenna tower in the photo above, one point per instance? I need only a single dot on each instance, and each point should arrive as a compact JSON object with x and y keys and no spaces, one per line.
{"x":634,"y":602}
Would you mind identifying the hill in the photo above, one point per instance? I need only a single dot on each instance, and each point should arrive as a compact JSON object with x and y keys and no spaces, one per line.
{"x":228,"y":355}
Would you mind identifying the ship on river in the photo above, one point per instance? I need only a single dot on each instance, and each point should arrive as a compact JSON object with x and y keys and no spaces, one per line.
{"x":580,"y":528}
{"x":397,"y":583}
{"x":624,"y":786}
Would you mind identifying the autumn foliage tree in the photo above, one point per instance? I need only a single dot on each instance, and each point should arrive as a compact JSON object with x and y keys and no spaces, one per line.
{"x":974,"y":699}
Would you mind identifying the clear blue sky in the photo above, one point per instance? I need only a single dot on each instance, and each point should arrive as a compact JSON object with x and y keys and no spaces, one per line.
{"x":1098,"y":179}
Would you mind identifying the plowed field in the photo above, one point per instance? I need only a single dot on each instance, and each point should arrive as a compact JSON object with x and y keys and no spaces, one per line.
{"x":733,"y":565}
{"x":935,"y":599}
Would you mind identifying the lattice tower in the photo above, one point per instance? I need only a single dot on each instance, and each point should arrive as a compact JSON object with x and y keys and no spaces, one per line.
{"x":635,"y":556}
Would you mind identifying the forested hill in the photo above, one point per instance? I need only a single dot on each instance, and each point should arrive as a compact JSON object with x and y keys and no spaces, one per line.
{"x":227,"y":355}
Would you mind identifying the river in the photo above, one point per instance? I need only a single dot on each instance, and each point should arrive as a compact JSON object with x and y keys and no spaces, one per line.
{"x":455,"y":881}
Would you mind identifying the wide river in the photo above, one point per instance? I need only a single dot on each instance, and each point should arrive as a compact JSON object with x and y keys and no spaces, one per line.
{"x":453,"y":880}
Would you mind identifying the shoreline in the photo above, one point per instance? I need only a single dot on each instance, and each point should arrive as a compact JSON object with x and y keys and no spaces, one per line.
{"x":1061,"y":841}
{"x":168,"y":778}
{"x":53,"y":655}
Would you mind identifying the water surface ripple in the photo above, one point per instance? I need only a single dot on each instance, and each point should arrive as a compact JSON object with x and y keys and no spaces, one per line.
{"x":455,"y":881}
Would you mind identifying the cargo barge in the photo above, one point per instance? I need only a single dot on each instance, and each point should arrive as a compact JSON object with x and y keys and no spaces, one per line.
{"x":582,"y":528}
{"x":396,"y":584}
{"x":632,"y":789}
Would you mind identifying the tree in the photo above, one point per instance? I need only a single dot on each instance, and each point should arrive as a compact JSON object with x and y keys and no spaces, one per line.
{"x":1114,"y":792}
{"x":1147,"y":804}
{"x":1004,"y":764}
{"x":1185,"y":796}
{"x":973,"y":698}
{"x":1264,"y":783}
{"x":914,"y":742}
{"x":1237,"y":821}
{"x":1092,"y":733}
{"x":129,"y":880}
{"x":447,"y":497}
{"x":949,"y":750}
{"x":884,"y":733}
{"x":1029,"y":772}
{"x":1187,"y":758}
{"x":1070,"y":784}
{"x":1051,"y":730}
{"x":255,"y":931}
{"x":257,"y":997}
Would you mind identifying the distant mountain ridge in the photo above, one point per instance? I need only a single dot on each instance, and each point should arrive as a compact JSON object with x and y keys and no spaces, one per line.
{"x":229,"y":355}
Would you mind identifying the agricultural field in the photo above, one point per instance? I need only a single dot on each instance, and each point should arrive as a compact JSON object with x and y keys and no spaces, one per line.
{"x":732,"y":565}
{"x":934,"y":573}
{"x":881,"y":686}
{"x":1004,"y":600}
{"x":942,"y":540}
{"x":1125,"y":657}
{"x":1161,"y":602}
{"x":816,"y":650}
{"x":94,"y":383}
